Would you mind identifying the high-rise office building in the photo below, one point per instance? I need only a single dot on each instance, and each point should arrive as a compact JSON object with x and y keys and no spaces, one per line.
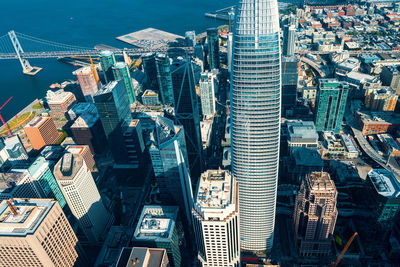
{"x":150,"y":69}
{"x":169,"y":157}
{"x":208,"y":84}
{"x":216,"y":219}
{"x":289,"y":40}
{"x":331,"y":105}
{"x":290,"y":77}
{"x":163,"y":66}
{"x":133,"y":137}
{"x":315,"y":215}
{"x":42,"y":131}
{"x":121,"y":72}
{"x":190,"y":38}
{"x":107,"y":61}
{"x":159,"y":227}
{"x":59,"y":102}
{"x":187,"y":111}
{"x":35,"y":232}
{"x":255,"y":115}
{"x":88,"y":130}
{"x":213,"y":48}
{"x":113,"y":106}
{"x":42,"y":176}
{"x":18,"y":183}
{"x":80,"y":191}
{"x":84,"y":151}
{"x":87,"y":81}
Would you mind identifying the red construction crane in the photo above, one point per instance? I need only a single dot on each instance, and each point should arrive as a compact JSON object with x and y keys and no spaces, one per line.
{"x":1,"y":117}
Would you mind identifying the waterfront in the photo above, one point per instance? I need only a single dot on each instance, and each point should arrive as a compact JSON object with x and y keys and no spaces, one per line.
{"x":86,"y":23}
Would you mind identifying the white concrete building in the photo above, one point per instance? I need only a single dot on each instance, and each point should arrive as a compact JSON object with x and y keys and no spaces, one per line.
{"x":216,"y":220}
{"x":80,"y":191}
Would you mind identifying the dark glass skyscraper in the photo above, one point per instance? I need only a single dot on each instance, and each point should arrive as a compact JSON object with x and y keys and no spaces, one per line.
{"x":113,"y":106}
{"x":289,"y":82}
{"x":164,"y":78}
{"x":255,"y":115}
{"x":107,"y":61}
{"x":213,"y":48}
{"x":187,"y":111}
{"x":150,"y":69}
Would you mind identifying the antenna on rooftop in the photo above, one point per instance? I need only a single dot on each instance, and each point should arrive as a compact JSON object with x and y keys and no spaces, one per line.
{"x":13,"y":209}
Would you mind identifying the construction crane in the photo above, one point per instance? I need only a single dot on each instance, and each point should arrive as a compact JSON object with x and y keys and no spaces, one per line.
{"x":1,"y":117}
{"x":344,"y":250}
{"x":93,"y":68}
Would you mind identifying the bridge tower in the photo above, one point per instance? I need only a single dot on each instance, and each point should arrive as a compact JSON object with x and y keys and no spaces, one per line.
{"x":26,"y":67}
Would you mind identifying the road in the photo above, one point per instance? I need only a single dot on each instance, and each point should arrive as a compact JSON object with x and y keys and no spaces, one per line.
{"x":367,"y":148}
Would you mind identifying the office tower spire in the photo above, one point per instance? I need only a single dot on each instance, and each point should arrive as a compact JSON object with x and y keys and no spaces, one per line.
{"x":255,"y":113}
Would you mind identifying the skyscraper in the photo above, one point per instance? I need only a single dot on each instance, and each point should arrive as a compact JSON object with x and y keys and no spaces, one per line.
{"x":187,"y":111}
{"x":216,"y":219}
{"x":81,"y":193}
{"x":150,"y":69}
{"x":331,"y":104}
{"x":87,"y":81}
{"x":207,"y":90}
{"x":115,"y":114}
{"x":213,"y":48}
{"x":315,"y":214}
{"x":107,"y":61}
{"x":289,"y":40}
{"x":42,"y":131}
{"x":163,"y":66}
{"x":230,"y":50}
{"x":35,"y":232}
{"x":290,"y":77}
{"x":190,"y":38}
{"x":121,"y":72}
{"x":255,"y":115}
{"x":169,"y":157}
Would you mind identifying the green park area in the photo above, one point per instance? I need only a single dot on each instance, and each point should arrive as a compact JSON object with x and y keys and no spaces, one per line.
{"x":18,"y":122}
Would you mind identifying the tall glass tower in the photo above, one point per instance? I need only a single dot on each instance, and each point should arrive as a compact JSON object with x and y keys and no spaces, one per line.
{"x":255,"y":115}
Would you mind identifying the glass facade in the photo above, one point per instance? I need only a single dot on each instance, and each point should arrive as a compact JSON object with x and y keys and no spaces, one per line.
{"x":40,"y":171}
{"x":113,"y":106}
{"x":150,"y":69}
{"x":164,"y":78}
{"x":213,"y":48}
{"x":255,"y":119}
{"x":107,"y":61}
{"x":187,"y":112}
{"x":331,"y":104}
{"x":121,"y":72}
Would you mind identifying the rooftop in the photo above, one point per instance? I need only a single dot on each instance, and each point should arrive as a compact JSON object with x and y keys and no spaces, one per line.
{"x":156,"y":223}
{"x":11,"y":179}
{"x":82,"y":108}
{"x":142,"y":257}
{"x":150,"y":93}
{"x":58,"y":97}
{"x":107,"y":88}
{"x":86,"y":70}
{"x":67,"y":167}
{"x":37,"y":121}
{"x":307,"y":157}
{"x":303,"y":129}
{"x":86,"y":120}
{"x":205,"y":128}
{"x":21,"y":217}
{"x":384,"y":183}
{"x":214,"y":189}
{"x":320,"y":181}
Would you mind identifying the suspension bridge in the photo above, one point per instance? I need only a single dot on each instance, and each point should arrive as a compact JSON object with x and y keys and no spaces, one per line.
{"x":14,"y":45}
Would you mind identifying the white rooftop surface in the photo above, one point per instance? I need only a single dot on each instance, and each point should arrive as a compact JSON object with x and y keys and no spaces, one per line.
{"x":58,"y":96}
{"x":385,"y":183}
{"x":30,"y":214}
{"x":206,"y":127}
{"x":214,"y":189}
{"x":348,"y":142}
{"x":304,"y":129}
{"x":355,"y":75}
{"x":156,"y":223}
